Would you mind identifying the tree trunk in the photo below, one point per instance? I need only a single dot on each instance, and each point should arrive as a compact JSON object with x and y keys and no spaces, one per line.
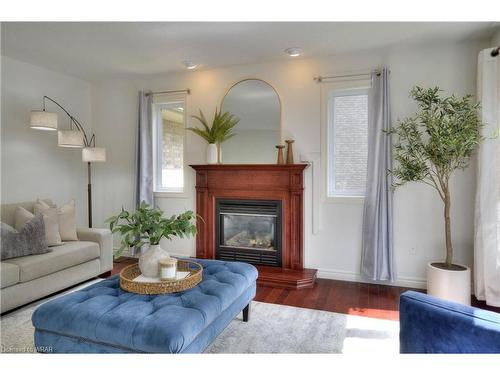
{"x":447,"y":223}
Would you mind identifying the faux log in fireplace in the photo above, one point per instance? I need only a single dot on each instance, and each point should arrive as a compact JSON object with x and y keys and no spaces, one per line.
{"x":254,"y":213}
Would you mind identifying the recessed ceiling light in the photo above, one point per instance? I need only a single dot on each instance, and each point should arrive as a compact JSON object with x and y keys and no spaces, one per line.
{"x":293,"y":52}
{"x":189,"y":65}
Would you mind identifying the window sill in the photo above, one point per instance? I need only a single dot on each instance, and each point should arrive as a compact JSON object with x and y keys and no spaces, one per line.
{"x":348,"y":200}
{"x":169,"y":194}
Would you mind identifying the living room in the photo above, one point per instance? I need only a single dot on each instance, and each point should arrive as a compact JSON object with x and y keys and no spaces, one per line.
{"x":315,"y":187}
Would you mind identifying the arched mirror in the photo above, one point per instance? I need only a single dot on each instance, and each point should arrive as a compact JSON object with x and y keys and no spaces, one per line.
{"x":258,"y":107}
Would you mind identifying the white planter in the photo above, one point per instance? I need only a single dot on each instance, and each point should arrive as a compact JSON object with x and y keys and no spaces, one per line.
{"x":449,"y":284}
{"x":212,"y":153}
{"x":149,"y":261}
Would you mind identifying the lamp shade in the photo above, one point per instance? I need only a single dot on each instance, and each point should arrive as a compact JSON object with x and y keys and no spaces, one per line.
{"x":42,"y":120}
{"x":70,"y":138}
{"x":93,"y":154}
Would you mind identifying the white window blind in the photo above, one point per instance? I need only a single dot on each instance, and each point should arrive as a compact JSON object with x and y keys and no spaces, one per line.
{"x":347,"y":142}
{"x":169,"y":137}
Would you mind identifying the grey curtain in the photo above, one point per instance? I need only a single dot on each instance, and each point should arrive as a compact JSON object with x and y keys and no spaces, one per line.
{"x":144,"y":151}
{"x":377,"y":237}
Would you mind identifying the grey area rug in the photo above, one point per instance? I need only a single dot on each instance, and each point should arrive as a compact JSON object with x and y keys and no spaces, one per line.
{"x":271,"y":329}
{"x":286,"y":329}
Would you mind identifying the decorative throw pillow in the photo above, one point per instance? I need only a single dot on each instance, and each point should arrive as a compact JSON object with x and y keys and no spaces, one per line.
{"x":50,"y":219}
{"x":30,"y":240}
{"x":66,"y":216}
{"x":21,"y":217}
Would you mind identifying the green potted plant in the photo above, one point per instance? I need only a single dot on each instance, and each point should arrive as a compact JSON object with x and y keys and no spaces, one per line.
{"x":216,"y":134}
{"x":147,"y":226}
{"x":428,"y":147}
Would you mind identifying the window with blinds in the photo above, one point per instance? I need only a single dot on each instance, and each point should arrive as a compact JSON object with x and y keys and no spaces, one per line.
{"x":347,"y":133}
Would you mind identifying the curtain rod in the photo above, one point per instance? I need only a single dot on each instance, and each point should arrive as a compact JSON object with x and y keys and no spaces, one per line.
{"x":187,"y":91}
{"x":495,"y":52}
{"x":319,"y":79}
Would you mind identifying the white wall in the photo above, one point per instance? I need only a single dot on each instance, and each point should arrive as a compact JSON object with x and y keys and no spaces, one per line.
{"x":335,"y":250}
{"x":32,"y":163}
{"x":255,"y":146}
{"x":495,"y":39}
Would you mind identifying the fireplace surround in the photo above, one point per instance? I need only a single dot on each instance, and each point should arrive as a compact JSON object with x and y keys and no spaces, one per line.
{"x":253,"y":184}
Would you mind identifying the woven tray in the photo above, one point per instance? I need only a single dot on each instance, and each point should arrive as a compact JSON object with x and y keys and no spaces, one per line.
{"x":129,"y":273}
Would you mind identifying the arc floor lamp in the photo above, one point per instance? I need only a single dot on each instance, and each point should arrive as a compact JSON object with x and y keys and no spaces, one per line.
{"x":75,"y":136}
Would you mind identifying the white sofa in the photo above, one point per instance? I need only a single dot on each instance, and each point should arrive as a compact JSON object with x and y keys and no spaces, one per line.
{"x":28,"y":278}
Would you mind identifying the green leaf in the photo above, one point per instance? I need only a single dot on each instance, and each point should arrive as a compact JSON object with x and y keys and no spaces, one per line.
{"x":147,"y":225}
{"x":220,"y":130}
{"x":438,"y":139}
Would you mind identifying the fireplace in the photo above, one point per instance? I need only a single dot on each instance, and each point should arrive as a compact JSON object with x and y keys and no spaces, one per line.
{"x":254,"y":213}
{"x":249,"y":231}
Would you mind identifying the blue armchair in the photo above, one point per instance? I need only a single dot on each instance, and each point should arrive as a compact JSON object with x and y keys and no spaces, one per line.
{"x":433,"y":325}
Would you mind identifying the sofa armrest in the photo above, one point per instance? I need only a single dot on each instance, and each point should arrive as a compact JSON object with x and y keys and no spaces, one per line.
{"x":105,"y":240}
{"x":432,"y":325}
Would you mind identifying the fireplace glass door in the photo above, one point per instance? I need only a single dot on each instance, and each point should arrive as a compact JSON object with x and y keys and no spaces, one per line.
{"x":249,"y":230}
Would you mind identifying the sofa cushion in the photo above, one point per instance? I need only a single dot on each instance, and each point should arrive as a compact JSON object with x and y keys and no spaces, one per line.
{"x":103,"y":313}
{"x":67,"y":255}
{"x":7,"y":210}
{"x":9,"y":274}
{"x":29,"y":240}
{"x":66,"y":218}
{"x":50,"y":219}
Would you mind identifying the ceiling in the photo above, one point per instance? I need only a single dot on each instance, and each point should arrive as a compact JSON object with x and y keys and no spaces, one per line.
{"x":94,"y":51}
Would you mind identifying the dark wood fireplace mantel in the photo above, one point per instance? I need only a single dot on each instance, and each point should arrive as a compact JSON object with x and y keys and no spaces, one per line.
{"x":257,"y":181}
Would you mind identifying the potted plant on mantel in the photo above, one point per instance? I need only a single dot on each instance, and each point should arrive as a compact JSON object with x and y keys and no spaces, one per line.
{"x":216,"y":134}
{"x":147,"y":226}
{"x":428,"y":148}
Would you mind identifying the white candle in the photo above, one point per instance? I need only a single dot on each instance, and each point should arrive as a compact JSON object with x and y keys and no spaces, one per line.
{"x":168,"y":268}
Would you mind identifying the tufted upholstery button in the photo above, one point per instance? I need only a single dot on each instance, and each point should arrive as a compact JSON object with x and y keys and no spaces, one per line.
{"x":104,"y":313}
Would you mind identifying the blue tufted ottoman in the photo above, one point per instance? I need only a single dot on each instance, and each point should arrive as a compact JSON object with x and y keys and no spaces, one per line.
{"x":103,"y":318}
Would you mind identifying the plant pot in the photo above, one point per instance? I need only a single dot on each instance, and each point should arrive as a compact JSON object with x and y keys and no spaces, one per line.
{"x":149,"y":261}
{"x":452,"y":285}
{"x":212,"y":153}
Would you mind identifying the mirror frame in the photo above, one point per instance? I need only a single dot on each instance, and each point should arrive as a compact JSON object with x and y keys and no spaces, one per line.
{"x":277,"y":94}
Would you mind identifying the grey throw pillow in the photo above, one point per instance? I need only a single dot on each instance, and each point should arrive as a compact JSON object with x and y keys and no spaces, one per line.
{"x":29,"y":240}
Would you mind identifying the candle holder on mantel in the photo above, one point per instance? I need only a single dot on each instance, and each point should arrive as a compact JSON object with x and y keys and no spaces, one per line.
{"x":289,"y":151}
{"x":280,"y":160}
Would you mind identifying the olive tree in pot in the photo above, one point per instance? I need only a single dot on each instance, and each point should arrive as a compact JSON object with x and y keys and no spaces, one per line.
{"x":217,"y":133}
{"x":147,"y":226}
{"x":428,"y":147}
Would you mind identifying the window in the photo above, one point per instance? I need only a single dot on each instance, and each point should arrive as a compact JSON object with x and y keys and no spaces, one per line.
{"x":168,"y":140}
{"x":347,"y":142}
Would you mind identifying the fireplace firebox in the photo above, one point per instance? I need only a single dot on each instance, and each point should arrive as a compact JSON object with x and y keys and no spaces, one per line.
{"x":249,"y":231}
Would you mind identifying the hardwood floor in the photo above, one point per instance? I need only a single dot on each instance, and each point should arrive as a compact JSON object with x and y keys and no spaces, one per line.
{"x":121,"y":263}
{"x":370,"y":300}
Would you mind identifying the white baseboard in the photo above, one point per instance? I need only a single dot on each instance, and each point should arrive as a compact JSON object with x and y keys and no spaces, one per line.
{"x":351,"y":276}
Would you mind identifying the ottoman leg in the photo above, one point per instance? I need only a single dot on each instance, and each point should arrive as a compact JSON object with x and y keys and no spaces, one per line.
{"x":246,"y":313}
